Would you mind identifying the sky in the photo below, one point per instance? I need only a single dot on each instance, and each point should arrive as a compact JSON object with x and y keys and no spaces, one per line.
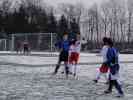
{"x":87,"y":3}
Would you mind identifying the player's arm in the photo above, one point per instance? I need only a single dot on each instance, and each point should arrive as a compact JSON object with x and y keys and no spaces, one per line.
{"x":59,"y":46}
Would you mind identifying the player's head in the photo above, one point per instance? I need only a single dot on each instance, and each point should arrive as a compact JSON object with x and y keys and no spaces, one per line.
{"x":105,"y":40}
{"x":110,"y":42}
{"x":65,"y":36}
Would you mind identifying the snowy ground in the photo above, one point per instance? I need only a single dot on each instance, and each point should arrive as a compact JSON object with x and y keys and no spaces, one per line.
{"x":29,"y":78}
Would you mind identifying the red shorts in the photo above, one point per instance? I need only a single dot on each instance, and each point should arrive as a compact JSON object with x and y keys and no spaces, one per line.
{"x":74,"y":57}
{"x":104,"y":68}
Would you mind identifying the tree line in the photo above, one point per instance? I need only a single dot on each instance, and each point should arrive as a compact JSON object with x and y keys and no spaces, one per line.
{"x":113,"y":18}
{"x":30,"y":16}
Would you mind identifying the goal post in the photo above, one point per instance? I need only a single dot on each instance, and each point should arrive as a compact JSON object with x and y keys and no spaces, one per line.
{"x":3,"y":44}
{"x":37,"y":41}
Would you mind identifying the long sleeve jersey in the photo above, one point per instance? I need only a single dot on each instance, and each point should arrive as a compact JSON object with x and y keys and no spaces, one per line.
{"x":112,"y":60}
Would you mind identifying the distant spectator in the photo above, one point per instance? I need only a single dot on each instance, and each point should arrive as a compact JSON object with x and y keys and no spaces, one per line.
{"x":26,"y":48}
{"x":83,"y":44}
{"x":19,"y":47}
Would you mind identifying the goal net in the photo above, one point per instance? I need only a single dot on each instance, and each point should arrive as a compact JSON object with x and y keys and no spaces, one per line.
{"x":36,"y":41}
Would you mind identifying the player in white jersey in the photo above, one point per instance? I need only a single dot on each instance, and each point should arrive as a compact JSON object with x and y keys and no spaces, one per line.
{"x":74,"y":53}
{"x":103,"y":70}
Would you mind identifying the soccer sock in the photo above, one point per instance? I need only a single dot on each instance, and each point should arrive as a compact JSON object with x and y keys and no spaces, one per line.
{"x":98,"y":75}
{"x":106,"y":77}
{"x":118,"y":87}
{"x":111,"y":84}
{"x":56,"y":69}
{"x":66,"y":69}
{"x":70,"y":67}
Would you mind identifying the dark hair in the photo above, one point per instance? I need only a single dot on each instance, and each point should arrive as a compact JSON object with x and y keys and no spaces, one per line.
{"x":65,"y":33}
{"x":105,"y":39}
{"x":110,"y":42}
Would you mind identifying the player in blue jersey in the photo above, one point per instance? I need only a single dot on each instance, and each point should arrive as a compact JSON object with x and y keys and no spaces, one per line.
{"x":113,"y":63}
{"x":64,"y":54}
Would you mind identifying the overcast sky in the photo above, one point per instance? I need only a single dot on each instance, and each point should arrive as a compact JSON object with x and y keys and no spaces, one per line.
{"x":87,"y":3}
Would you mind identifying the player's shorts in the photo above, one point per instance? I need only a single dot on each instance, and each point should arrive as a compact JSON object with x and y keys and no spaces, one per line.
{"x":104,"y":68}
{"x":64,"y":56}
{"x":74,"y":57}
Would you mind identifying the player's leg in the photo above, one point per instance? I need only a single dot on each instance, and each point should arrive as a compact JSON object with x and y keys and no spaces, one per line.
{"x":29,"y":50}
{"x":98,"y":75}
{"x":66,"y":58}
{"x":102,"y":71}
{"x":119,"y":89}
{"x":111,"y":84}
{"x":57,"y":67}
{"x":76,"y":67}
{"x":58,"y":63}
{"x":106,"y":77}
{"x":66,"y":68}
{"x":21,"y":50}
{"x":76,"y":70}
{"x":70,"y":63}
{"x":24,"y":50}
{"x":17,"y":51}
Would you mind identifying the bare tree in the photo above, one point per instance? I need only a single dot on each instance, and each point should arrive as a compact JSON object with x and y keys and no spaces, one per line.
{"x":72,"y":11}
{"x":105,"y":11}
{"x":5,"y":10}
{"x":93,"y":16}
{"x":5,"y":7}
{"x":130,"y":13}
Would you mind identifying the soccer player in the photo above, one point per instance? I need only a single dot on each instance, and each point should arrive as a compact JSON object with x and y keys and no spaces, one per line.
{"x":63,"y":56}
{"x":113,"y":63}
{"x":74,"y":53}
{"x":103,"y":70}
{"x":18,"y":47}
{"x":26,"y":48}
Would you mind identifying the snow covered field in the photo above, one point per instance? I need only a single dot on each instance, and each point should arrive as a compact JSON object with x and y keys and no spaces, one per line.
{"x":29,"y":78}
